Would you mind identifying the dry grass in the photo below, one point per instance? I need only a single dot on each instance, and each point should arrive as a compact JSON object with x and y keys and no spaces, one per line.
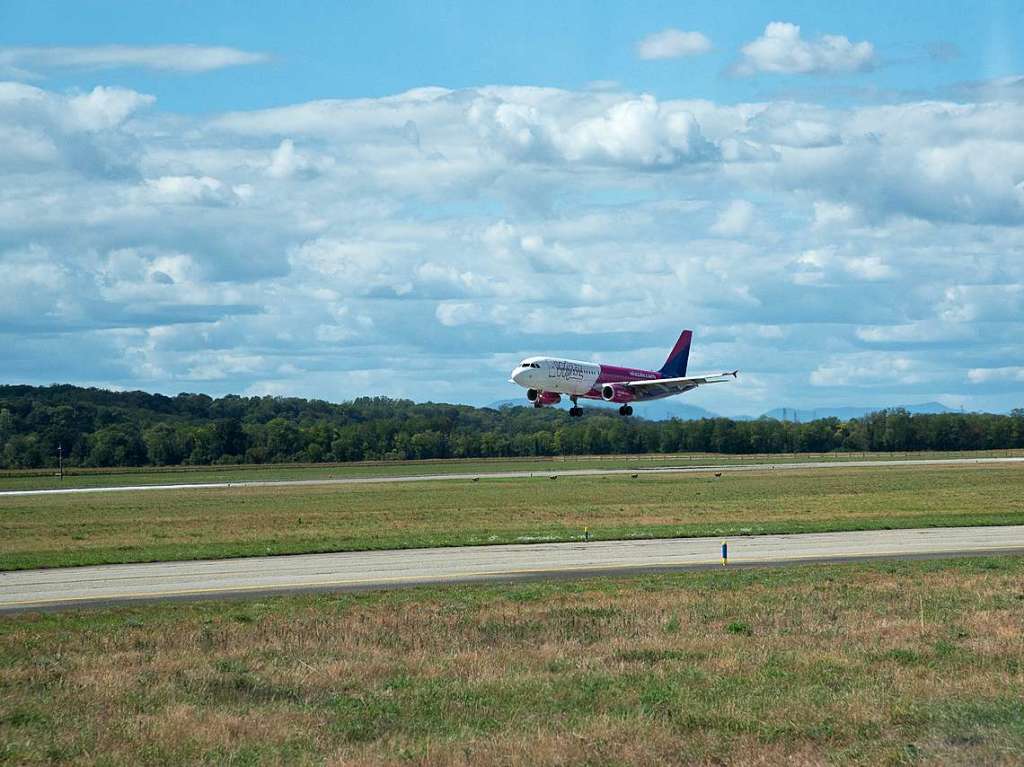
{"x":869,"y":664}
{"x":126,"y":527}
{"x":26,"y":479}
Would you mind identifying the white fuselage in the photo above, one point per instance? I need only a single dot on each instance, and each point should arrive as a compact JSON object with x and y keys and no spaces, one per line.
{"x":570,"y":377}
{"x":548,"y":379}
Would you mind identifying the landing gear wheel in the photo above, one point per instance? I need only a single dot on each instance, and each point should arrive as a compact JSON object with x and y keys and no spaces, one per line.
{"x":575,"y":412}
{"x":625,"y":410}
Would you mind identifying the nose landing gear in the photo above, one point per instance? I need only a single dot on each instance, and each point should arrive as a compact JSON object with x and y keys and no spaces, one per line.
{"x":575,"y":411}
{"x":626,"y":410}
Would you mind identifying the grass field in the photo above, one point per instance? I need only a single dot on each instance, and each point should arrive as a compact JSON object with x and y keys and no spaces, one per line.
{"x":48,"y":531}
{"x":884,"y":663}
{"x":39,"y":479}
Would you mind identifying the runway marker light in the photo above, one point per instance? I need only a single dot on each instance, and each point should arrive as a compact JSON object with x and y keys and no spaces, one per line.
{"x":725,"y":553}
{"x":586,"y":533}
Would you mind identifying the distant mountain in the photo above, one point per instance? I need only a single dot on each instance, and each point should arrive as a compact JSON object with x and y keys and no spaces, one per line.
{"x":666,"y":409}
{"x":656,"y":410}
{"x":846,"y":413}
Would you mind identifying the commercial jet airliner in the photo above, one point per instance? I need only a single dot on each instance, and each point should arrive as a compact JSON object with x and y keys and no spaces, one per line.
{"x":546,"y":379}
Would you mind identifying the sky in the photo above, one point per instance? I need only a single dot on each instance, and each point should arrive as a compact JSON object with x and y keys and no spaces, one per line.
{"x":402,"y":198}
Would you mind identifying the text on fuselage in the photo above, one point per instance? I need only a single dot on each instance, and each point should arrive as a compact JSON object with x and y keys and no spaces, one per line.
{"x":570,"y":371}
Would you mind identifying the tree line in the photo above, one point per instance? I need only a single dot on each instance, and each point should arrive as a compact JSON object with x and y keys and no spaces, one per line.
{"x":96,"y":427}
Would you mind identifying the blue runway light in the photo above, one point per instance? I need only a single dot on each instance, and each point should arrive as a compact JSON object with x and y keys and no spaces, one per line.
{"x":725,"y":553}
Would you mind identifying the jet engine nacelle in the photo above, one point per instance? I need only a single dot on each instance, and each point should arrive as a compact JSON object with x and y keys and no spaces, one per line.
{"x":617,"y":393}
{"x":543,"y":398}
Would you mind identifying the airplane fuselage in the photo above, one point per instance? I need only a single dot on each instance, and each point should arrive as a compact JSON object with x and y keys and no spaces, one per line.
{"x":586,"y":380}
{"x":547,"y":379}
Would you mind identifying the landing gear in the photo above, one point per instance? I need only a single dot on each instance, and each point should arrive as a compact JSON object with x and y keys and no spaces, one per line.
{"x":575,"y":411}
{"x":626,"y":410}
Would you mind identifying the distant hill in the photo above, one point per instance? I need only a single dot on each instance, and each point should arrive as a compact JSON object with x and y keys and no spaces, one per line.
{"x":666,"y":409}
{"x":656,"y":410}
{"x":846,"y":413}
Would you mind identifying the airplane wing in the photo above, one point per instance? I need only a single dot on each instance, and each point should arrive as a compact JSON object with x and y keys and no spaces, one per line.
{"x":665,"y":386}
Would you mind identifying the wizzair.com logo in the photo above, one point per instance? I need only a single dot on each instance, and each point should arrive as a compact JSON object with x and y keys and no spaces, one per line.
{"x":569,"y":371}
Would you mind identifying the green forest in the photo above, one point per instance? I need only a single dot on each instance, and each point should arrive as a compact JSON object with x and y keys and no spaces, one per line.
{"x":95,"y":427}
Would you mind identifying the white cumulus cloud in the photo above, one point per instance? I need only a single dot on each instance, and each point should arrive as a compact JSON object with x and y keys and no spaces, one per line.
{"x":734,"y":220}
{"x":287,"y":162}
{"x":25,"y":61}
{"x":1013,"y":374}
{"x":105,"y":107}
{"x":781,"y":50}
{"x":672,"y":44}
{"x":343,"y":247}
{"x":636,"y":132}
{"x":866,"y":370}
{"x":188,"y":190}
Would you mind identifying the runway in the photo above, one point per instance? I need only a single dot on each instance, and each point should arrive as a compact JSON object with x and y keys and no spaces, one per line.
{"x":552,"y":472}
{"x":112,"y":584}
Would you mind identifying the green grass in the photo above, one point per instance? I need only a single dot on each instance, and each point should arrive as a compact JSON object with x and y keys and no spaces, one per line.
{"x":883,"y":663}
{"x":50,"y":531}
{"x":43,"y":479}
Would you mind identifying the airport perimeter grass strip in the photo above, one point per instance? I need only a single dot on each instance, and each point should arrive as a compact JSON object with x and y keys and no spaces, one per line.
{"x":880,"y":663}
{"x":43,"y":479}
{"x":58,"y":531}
{"x":233,"y":550}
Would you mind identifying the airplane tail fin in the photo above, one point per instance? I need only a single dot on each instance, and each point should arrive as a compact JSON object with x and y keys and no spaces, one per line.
{"x":675,"y":365}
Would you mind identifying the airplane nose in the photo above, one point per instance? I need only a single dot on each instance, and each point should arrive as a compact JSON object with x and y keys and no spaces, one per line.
{"x":518,"y":375}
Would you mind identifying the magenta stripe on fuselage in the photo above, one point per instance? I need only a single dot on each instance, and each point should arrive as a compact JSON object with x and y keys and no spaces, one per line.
{"x":615,"y":374}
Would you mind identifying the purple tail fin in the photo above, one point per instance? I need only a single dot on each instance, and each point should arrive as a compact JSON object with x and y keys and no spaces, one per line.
{"x":675,"y":365}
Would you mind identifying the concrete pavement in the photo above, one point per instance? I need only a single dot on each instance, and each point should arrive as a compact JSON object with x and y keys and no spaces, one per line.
{"x":69,"y":587}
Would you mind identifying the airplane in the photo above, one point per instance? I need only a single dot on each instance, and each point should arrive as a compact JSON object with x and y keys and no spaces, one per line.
{"x":546,"y":379}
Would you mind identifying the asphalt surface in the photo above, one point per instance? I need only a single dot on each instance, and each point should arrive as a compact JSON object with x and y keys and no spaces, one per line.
{"x":553,"y":472}
{"x":111,"y":584}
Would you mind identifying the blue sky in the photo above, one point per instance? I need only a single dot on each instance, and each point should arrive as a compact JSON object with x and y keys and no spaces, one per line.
{"x":331,"y":200}
{"x":362,"y":49}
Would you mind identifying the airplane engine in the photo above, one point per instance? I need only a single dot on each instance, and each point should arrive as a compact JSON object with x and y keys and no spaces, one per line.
{"x":543,"y":398}
{"x":616,"y":393}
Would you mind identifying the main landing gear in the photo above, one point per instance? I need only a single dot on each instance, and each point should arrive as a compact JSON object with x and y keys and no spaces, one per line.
{"x":576,"y":411}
